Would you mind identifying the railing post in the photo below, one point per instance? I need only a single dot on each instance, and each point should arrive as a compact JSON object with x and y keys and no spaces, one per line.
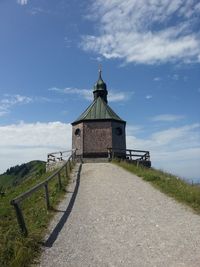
{"x":70,"y":167}
{"x":73,"y":157}
{"x":66,"y":171}
{"x":20,"y":219}
{"x":72,"y":163}
{"x":47,"y":196}
{"x":109,"y":154}
{"x":59,"y":181}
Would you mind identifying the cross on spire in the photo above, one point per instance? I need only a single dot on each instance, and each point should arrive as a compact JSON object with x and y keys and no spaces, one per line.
{"x":100,"y":70}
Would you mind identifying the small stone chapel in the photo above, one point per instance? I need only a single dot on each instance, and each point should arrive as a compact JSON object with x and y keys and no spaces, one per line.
{"x":98,"y":127}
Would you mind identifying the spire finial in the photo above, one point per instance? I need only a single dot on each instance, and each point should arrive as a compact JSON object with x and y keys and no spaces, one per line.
{"x":100,"y":70}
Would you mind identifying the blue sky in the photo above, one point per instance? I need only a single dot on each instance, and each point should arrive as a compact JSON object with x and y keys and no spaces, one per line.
{"x":150,"y":54}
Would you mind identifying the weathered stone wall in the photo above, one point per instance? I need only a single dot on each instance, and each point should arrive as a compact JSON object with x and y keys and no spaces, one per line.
{"x":77,"y":139}
{"x":118,"y":140}
{"x":97,"y":137}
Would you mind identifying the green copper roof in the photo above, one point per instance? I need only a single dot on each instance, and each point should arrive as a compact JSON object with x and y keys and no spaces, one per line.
{"x":98,"y":110}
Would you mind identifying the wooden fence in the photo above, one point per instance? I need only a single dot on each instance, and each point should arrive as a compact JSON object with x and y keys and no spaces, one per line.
{"x":129,"y":154}
{"x":67,"y":166}
{"x":58,"y":156}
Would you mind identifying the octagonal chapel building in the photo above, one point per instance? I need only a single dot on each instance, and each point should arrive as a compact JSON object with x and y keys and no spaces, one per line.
{"x":98,"y":127}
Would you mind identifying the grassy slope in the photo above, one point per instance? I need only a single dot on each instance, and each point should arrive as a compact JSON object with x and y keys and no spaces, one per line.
{"x":16,"y":251}
{"x":169,"y":184}
{"x":15,"y":175}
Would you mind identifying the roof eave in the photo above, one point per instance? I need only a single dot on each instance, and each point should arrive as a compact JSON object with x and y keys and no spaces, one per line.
{"x":92,"y":120}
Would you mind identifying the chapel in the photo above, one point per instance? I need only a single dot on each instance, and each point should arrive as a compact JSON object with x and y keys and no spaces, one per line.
{"x":98,"y":127}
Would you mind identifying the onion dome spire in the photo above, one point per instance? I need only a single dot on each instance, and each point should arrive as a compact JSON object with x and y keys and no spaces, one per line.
{"x":100,"y":88}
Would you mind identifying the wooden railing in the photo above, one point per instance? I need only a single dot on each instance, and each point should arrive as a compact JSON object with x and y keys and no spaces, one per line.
{"x":58,"y":156}
{"x":67,"y":166}
{"x":130,"y":154}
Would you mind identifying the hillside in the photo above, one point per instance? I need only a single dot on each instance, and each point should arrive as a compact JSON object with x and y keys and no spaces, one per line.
{"x":19,"y":173}
{"x":16,"y":250}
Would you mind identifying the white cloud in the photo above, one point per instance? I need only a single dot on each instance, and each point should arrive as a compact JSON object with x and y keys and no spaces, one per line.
{"x":157,"y":79}
{"x":22,"y":2}
{"x":133,"y":129}
{"x":23,"y":142}
{"x":37,"y":10}
{"x":98,"y":59}
{"x":85,"y":93}
{"x":142,"y":31}
{"x":187,"y":134}
{"x":113,"y":96}
{"x":167,"y":117}
{"x":15,"y":99}
{"x":148,"y":96}
{"x":175,"y":149}
{"x":9,"y":101}
{"x":172,"y":138}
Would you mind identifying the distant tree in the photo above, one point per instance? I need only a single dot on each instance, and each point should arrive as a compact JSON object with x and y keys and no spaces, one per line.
{"x":24,"y":171}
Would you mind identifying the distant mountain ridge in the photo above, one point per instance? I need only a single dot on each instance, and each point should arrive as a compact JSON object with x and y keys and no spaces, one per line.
{"x":19,"y":173}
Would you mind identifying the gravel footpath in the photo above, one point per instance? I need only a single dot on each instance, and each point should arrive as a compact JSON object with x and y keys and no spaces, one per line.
{"x":117,"y":219}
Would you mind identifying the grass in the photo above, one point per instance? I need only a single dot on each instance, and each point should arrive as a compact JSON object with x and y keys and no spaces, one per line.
{"x":16,"y":250}
{"x":168,"y":184}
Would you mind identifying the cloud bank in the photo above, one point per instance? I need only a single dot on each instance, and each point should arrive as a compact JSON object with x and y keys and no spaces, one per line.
{"x":174,"y":149}
{"x":23,"y":142}
{"x":147,"y":32}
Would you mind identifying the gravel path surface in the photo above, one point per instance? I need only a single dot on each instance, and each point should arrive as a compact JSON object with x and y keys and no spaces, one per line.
{"x":117,"y":219}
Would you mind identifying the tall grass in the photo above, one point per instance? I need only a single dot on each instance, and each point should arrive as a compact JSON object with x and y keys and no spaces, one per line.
{"x":16,"y":250}
{"x":168,"y":184}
